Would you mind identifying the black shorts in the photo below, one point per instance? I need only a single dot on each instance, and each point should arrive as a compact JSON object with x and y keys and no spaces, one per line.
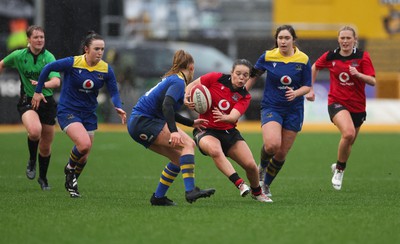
{"x":47,"y":111}
{"x":358,"y":118}
{"x":227,"y":138}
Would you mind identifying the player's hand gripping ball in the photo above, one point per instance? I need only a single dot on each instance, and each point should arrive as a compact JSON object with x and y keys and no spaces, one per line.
{"x":201,"y":97}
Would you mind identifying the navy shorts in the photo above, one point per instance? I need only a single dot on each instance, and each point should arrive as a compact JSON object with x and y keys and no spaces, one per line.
{"x":66,"y":117}
{"x":227,"y":138}
{"x":358,"y":118}
{"x":290,"y":120}
{"x":47,"y":111}
{"x":145,"y":130}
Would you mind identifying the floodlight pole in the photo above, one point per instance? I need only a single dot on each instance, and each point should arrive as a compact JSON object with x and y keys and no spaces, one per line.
{"x":38,"y":17}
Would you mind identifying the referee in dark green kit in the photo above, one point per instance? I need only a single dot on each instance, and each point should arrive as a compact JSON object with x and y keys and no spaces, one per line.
{"x":38,"y":123}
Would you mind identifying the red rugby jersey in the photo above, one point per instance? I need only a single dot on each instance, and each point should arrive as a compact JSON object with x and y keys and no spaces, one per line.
{"x":224,"y":97}
{"x":345,"y":88}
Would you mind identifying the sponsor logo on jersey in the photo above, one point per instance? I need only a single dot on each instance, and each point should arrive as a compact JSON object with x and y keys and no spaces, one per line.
{"x":344,"y":77}
{"x":31,"y":74}
{"x":286,"y":80}
{"x":88,"y":84}
{"x":224,"y":104}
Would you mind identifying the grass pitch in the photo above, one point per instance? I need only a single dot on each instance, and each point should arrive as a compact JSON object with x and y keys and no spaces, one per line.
{"x":121,"y":176}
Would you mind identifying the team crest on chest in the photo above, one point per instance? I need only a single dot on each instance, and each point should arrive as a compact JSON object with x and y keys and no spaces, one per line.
{"x":235,"y":97}
{"x":354,"y":64}
{"x":88,"y":84}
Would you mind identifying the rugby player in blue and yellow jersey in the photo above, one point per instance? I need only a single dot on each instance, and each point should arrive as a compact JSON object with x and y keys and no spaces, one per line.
{"x":40,"y":123}
{"x":84,"y":75}
{"x":153,"y":125}
{"x":282,"y":107}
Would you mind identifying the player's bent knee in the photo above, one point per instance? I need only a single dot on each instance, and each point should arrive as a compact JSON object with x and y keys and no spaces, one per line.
{"x":190,"y":143}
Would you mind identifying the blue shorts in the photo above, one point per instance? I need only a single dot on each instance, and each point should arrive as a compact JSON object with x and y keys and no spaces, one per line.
{"x":145,"y":130}
{"x":290,"y":119}
{"x":66,"y":117}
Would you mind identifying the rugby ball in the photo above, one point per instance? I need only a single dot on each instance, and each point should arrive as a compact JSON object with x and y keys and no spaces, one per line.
{"x":201,"y":97}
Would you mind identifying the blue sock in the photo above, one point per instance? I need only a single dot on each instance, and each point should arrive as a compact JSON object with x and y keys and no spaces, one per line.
{"x":167,"y":178}
{"x":74,"y":157}
{"x":273,"y":169}
{"x":265,"y":157}
{"x":187,"y":167}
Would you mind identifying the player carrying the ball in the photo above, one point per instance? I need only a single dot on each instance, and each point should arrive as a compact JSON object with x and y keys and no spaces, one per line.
{"x":221,"y":139}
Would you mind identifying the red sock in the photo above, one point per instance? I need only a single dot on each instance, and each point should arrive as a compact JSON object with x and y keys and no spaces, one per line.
{"x":238,"y":182}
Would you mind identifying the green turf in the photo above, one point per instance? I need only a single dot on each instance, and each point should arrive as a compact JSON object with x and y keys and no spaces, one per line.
{"x":121,"y":176}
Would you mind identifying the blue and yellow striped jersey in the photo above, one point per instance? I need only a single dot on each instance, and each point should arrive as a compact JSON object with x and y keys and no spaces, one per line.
{"x":150,"y":104}
{"x":283,"y":72}
{"x":81,"y":83}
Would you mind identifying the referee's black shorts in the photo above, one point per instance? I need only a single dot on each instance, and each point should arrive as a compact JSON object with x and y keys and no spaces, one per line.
{"x":47,"y":111}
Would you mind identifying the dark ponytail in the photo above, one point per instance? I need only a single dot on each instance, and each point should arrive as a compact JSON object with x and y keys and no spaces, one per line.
{"x":90,"y":36}
{"x":242,"y":61}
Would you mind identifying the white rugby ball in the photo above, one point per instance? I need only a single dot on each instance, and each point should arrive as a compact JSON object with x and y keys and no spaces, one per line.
{"x":201,"y":97}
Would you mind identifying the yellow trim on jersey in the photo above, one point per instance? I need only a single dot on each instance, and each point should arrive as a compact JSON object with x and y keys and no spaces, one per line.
{"x":275,"y":56}
{"x":180,"y":76}
{"x":80,"y":63}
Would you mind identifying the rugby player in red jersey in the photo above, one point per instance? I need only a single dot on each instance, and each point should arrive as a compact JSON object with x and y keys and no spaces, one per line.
{"x":220,"y":139}
{"x":350,"y":69}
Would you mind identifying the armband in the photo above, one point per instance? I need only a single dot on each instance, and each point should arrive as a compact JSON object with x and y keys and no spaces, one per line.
{"x":256,"y":72}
